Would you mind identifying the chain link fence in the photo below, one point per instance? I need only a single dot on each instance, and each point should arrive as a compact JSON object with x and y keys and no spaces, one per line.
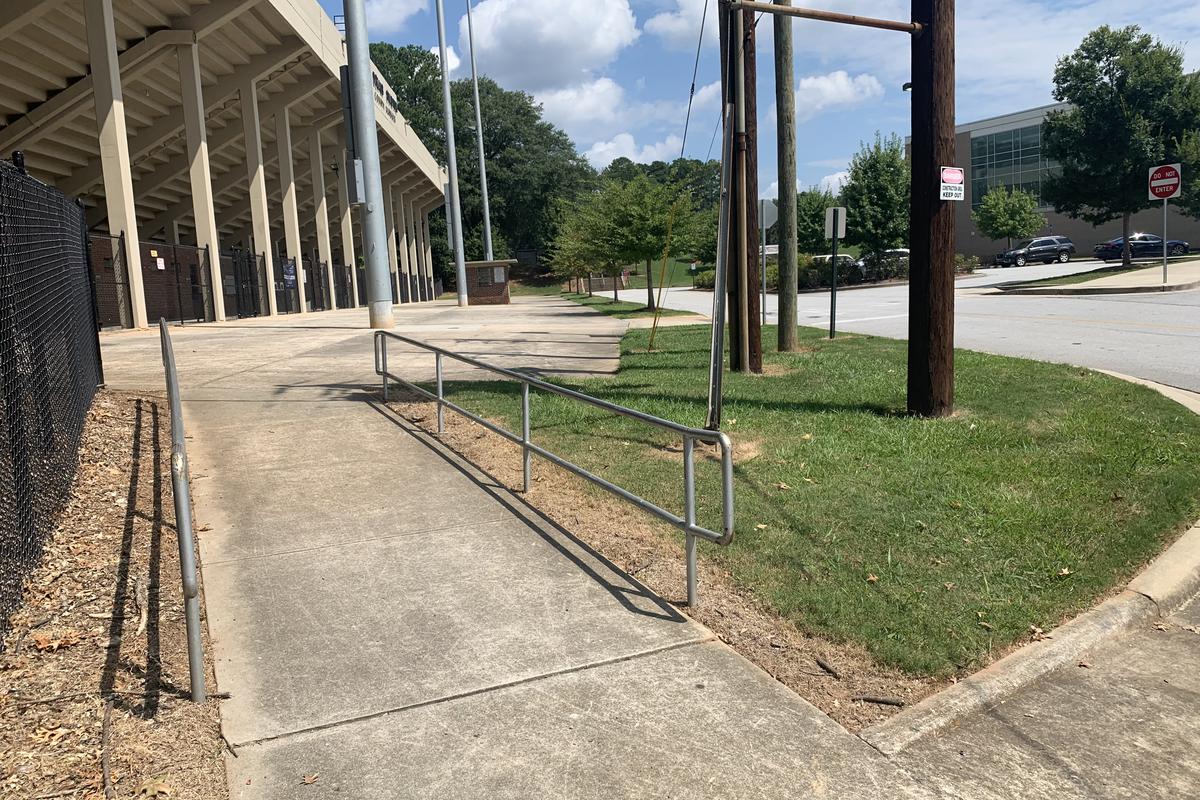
{"x":49,"y":366}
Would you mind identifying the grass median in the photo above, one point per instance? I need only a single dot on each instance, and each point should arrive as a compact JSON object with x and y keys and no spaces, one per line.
{"x":621,"y":309}
{"x":935,"y":544}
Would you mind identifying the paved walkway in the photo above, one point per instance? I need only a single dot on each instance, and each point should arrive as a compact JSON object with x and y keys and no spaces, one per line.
{"x":387,"y":618}
{"x":1181,"y":276}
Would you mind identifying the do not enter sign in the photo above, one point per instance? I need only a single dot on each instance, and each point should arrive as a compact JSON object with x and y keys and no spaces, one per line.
{"x":1165,"y":182}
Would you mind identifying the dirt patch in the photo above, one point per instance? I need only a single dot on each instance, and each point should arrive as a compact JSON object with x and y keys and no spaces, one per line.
{"x":743,"y":450}
{"x":102,"y":624}
{"x":651,"y":552}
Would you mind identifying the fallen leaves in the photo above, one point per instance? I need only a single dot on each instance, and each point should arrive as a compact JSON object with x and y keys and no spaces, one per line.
{"x":1037,"y":634}
{"x":1065,"y":571}
{"x":54,"y":640}
{"x":155,"y":787}
{"x":309,"y":780}
{"x":872,"y":578}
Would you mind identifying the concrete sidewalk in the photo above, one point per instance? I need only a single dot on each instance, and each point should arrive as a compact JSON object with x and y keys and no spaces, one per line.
{"x":387,"y":618}
{"x":1181,"y":276}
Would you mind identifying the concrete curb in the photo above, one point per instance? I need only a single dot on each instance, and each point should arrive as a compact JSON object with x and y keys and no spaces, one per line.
{"x":1169,"y":581}
{"x":1084,"y":290}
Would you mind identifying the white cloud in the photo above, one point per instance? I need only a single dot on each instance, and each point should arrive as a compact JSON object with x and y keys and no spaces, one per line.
{"x":707,"y":96}
{"x":389,"y":16}
{"x":601,"y":154}
{"x":834,"y":183}
{"x":817,"y":93}
{"x":584,"y":106}
{"x":543,"y":44}
{"x":679,"y":27}
{"x":451,"y":57}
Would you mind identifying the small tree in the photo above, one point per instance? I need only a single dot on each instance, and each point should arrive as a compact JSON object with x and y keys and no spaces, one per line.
{"x":810,"y":220}
{"x":1008,"y":215}
{"x":1132,"y":107}
{"x":876,"y":196}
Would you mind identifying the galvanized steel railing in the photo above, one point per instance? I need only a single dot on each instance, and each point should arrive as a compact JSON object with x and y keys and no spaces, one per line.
{"x":183,"y":519}
{"x":687,"y":522}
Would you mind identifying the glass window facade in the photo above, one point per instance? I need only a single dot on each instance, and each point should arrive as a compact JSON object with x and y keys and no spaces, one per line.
{"x":1010,"y":159}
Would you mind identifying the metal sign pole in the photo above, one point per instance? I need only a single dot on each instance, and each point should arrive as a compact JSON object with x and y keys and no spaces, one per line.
{"x":762,"y":218}
{"x":487,"y":216}
{"x":833,"y":282}
{"x":455,"y":215}
{"x":1164,"y":241}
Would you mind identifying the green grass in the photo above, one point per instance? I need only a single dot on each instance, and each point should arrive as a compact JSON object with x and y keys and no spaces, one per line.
{"x":620,"y":309}
{"x":677,"y":274}
{"x":542,"y":289}
{"x":967,"y":523}
{"x":1083,"y":277}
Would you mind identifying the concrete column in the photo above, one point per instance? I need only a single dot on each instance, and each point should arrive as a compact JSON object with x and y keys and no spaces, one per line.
{"x":346,"y":220}
{"x":114,"y":146}
{"x":406,"y":267}
{"x":389,"y":216}
{"x":321,"y":209}
{"x":287,"y":186}
{"x":199,"y":173}
{"x":410,"y":229}
{"x":260,"y":218}
{"x":428,"y":252}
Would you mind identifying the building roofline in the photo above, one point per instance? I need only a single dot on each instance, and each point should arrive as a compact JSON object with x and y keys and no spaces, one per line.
{"x":1012,"y":118}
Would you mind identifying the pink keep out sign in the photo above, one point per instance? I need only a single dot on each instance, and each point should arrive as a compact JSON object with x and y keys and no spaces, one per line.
{"x":1165,"y":181}
{"x":953,"y":183}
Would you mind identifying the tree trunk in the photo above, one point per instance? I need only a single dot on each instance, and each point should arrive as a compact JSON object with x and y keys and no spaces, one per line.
{"x":616,"y":276}
{"x":1126,"y":250}
{"x":649,"y":286}
{"x":589,"y":280}
{"x":785,"y":101}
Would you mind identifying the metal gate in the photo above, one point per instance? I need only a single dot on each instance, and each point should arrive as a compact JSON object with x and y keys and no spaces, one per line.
{"x":240,"y":283}
{"x":287,"y":293}
{"x":107,"y":261}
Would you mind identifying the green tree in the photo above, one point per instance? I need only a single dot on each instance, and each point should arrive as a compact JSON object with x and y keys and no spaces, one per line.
{"x":1132,"y":107}
{"x":1008,"y":214}
{"x":810,"y":220}
{"x":532,"y":166}
{"x":642,"y":210}
{"x":876,"y":196}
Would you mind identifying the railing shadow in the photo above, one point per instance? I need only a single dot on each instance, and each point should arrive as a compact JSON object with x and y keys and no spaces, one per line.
{"x":541,"y":524}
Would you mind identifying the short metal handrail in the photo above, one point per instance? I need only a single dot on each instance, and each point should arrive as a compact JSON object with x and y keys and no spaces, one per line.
{"x":183,"y":519}
{"x":687,"y":522}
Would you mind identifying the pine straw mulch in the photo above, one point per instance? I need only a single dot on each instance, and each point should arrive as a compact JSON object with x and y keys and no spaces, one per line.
{"x":74,"y":646}
{"x":648,"y":551}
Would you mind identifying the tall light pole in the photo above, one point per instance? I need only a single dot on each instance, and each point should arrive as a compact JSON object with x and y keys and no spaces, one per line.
{"x":487,"y":216}
{"x":460,"y":269}
{"x":379,"y":286}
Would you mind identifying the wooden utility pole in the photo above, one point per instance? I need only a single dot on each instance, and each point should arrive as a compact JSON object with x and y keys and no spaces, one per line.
{"x":785,"y":104}
{"x":931,"y":237}
{"x":753,"y":283}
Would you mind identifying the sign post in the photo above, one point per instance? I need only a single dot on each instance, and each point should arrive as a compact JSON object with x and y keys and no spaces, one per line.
{"x":835,"y":229}
{"x":768,"y":215}
{"x":1165,"y":182}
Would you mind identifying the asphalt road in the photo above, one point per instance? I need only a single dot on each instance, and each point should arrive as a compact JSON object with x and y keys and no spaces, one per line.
{"x":1151,"y":336}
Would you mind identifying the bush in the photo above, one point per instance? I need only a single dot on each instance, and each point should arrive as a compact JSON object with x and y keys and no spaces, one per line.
{"x":704,"y":279}
{"x":965,"y":265}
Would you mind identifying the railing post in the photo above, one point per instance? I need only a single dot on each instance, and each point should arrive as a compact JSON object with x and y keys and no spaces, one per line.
{"x":689,"y":516}
{"x":441,"y":413}
{"x":383,"y":364}
{"x":525,"y":455}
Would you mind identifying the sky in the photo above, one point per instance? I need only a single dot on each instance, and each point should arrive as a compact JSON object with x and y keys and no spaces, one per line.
{"x":615,"y":74}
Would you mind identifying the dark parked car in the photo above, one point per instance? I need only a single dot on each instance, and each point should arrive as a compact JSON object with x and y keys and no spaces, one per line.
{"x":1141,"y":245}
{"x":1046,"y":249}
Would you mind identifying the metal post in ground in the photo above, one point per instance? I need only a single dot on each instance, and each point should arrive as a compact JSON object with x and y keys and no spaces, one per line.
{"x":487,"y":217}
{"x":525,"y":455}
{"x":456,"y":241}
{"x":379,"y":289}
{"x":689,"y":515}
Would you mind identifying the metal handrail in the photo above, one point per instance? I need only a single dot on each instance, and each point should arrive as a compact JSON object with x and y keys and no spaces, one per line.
{"x":183,"y":519}
{"x":686,"y":523}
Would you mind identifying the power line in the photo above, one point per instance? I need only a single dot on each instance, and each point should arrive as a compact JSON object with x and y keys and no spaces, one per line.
{"x":716,"y":128}
{"x":695,"y":71}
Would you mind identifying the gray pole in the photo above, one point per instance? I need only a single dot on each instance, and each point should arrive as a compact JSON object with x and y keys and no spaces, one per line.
{"x":379,"y":287}
{"x":487,"y":215}
{"x":460,"y":268}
